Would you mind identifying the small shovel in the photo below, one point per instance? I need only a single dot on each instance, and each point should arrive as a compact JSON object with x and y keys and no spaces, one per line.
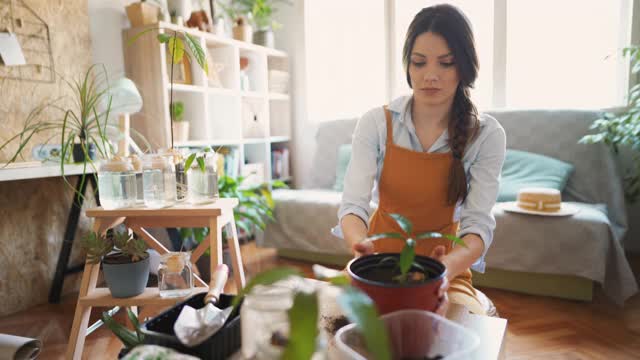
{"x":193,"y":326}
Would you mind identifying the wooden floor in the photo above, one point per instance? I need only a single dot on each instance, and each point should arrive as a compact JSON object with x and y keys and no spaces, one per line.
{"x":539,"y":327}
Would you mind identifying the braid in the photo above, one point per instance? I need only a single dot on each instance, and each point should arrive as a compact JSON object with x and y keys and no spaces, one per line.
{"x":462,"y":128}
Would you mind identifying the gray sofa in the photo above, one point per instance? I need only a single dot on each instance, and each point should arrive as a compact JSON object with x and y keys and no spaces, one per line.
{"x":553,"y":256}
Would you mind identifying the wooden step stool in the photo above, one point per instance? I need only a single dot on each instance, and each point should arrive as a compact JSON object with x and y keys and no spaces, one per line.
{"x":214,"y":216}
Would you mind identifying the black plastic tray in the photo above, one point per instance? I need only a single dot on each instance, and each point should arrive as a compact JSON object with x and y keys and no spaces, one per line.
{"x":223,"y":344}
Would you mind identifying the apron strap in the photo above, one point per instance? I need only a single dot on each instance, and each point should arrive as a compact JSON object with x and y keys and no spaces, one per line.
{"x":387,"y":115}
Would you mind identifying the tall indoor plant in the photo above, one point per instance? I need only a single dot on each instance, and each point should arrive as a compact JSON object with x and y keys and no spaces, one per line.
{"x":262,"y":17}
{"x":622,"y":129}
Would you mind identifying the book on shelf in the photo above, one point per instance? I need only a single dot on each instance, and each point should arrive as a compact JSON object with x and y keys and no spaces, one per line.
{"x":280,"y":163}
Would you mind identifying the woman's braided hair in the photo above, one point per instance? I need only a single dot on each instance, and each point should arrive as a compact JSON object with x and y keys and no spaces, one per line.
{"x":450,"y":23}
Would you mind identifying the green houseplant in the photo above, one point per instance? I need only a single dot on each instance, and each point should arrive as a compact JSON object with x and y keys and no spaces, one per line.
{"x":180,"y":126}
{"x":262,"y":12}
{"x":124,"y":259}
{"x":81,"y":129}
{"x":129,"y":338}
{"x":622,"y":130}
{"x":404,"y":280}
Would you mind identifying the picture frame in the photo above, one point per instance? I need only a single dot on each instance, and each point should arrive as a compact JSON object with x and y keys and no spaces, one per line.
{"x":181,"y":71}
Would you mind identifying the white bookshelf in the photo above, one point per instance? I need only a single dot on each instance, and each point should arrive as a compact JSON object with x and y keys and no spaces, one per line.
{"x":254,"y":121}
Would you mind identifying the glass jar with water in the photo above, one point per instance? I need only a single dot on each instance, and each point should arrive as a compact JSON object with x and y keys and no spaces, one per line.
{"x":202,"y":179}
{"x":117,"y":183}
{"x":158,"y":181}
{"x":175,"y":275}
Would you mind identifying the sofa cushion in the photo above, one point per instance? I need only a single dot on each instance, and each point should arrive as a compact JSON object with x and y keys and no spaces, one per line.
{"x":344,"y":155}
{"x":525,"y":169}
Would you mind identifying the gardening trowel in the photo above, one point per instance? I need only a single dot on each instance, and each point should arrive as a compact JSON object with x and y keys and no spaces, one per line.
{"x":195,"y":326}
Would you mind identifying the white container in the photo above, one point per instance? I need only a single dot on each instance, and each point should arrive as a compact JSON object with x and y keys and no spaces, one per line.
{"x":159,"y":181}
{"x":413,"y":334}
{"x":117,"y":184}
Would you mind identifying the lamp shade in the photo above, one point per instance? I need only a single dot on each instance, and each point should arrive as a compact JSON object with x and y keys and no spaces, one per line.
{"x":125,"y":98}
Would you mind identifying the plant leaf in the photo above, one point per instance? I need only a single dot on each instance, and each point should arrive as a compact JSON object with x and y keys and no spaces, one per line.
{"x":197,"y":52}
{"x":404,"y":223}
{"x":136,"y":324}
{"x":303,"y":320}
{"x":456,"y":240}
{"x":360,"y":309}
{"x":266,"y":278}
{"x":340,"y":280}
{"x":387,"y":235}
{"x":187,"y":164}
{"x":128,"y":337}
{"x":407,"y":256}
{"x":176,"y":49}
{"x":201,"y":164}
{"x":163,"y":38}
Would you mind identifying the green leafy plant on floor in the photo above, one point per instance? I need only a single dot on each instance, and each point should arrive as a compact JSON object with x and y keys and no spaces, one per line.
{"x":406,"y":261}
{"x":303,"y":315}
{"x":129,"y":338}
{"x":623,"y":130}
{"x":120,"y":244}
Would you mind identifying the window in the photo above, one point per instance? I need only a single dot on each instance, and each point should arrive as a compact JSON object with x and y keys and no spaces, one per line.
{"x":541,"y":53}
{"x":346,"y":59}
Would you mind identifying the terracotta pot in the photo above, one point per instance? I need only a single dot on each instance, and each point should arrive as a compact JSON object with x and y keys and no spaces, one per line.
{"x":180,"y":131}
{"x":393,"y":296}
{"x":142,"y":13}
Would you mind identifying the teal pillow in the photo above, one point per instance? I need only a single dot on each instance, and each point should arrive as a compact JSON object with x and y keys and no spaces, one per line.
{"x":344,"y":155}
{"x":524,"y":169}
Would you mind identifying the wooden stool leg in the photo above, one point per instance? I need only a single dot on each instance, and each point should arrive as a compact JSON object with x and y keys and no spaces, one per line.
{"x":215,"y":242}
{"x":236,"y":256}
{"x":82,"y":313}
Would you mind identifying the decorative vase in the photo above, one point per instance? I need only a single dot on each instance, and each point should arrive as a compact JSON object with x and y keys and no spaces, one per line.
{"x":242,"y":31}
{"x":175,"y":274}
{"x":180,"y":131}
{"x":142,"y":13}
{"x":181,"y":8}
{"x":264,"y":38}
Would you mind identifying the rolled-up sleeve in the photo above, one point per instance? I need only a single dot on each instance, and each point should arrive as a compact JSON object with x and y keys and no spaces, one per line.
{"x":484,"y":178}
{"x":361,"y":172}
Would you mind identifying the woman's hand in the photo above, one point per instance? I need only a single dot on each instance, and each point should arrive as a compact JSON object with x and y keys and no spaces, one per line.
{"x":362,"y":248}
{"x":439,"y":253}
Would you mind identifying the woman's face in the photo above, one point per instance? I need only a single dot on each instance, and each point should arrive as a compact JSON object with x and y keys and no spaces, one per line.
{"x":432,"y":70}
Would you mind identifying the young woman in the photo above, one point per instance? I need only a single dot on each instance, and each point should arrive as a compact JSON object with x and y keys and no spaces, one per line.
{"x":430,"y":157}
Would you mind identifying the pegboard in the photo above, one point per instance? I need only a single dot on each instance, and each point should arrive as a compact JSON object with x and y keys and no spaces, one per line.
{"x":35,"y":41}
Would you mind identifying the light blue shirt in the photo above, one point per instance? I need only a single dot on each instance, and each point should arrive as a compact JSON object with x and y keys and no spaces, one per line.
{"x":482,"y":162}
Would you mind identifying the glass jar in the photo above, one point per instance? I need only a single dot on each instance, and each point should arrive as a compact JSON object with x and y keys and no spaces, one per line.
{"x":117,"y":183}
{"x":175,"y":275}
{"x":159,"y":181}
{"x":264,"y":320}
{"x":203,"y":185}
{"x":137,"y":168}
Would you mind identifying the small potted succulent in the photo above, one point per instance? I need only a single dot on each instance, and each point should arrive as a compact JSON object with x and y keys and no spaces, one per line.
{"x":125,"y":261}
{"x":180,"y":125}
{"x":401,"y":281}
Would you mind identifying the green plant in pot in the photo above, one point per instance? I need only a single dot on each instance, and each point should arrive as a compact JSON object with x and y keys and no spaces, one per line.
{"x":129,"y":338}
{"x":262,"y":12}
{"x":622,"y":130}
{"x":124,"y":259}
{"x":404,"y":280}
{"x":202,"y":176}
{"x":80,"y":126}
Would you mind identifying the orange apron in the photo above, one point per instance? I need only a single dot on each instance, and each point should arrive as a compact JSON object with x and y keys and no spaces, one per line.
{"x":414,"y":184}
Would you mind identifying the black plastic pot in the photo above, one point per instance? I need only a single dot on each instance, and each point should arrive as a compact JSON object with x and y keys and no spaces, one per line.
{"x":78,"y":153}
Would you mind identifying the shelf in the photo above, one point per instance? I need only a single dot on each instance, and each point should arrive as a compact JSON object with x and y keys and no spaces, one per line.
{"x":222,"y":91}
{"x":151,"y":296}
{"x":214,"y":142}
{"x":276,"y":139}
{"x":277,"y":96}
{"x":255,"y":140}
{"x":186,"y":88}
{"x":252,"y":94}
{"x":37,"y":169}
